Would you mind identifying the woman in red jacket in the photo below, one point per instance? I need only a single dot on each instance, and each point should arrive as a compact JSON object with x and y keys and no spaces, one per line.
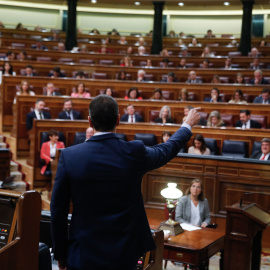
{"x":48,"y":151}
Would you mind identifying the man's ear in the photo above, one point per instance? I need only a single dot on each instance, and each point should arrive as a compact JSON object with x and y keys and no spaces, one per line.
{"x":90,"y":122}
{"x":118,"y":120}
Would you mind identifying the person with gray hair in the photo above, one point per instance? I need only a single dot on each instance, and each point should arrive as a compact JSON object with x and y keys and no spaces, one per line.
{"x":141,"y":76}
{"x":258,"y":78}
{"x":164,"y":115}
{"x":264,"y":153}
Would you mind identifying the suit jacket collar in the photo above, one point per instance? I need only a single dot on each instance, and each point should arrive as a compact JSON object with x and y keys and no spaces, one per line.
{"x":110,"y":135}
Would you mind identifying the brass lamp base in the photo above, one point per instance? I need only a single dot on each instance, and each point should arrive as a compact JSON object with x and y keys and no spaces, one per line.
{"x":174,"y":227}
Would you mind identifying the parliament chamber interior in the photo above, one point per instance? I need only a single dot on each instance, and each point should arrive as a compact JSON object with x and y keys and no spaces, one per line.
{"x":158,"y":59}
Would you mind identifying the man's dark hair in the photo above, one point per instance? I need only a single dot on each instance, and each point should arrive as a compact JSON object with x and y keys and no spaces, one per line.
{"x":29,"y":66}
{"x":266,"y":90}
{"x":57,"y":69}
{"x":103,"y":111}
{"x":39,"y":99}
{"x":215,"y":88}
{"x":66,"y":100}
{"x":247,"y":112}
{"x":52,"y":132}
{"x":166,"y":60}
{"x":171,"y":74}
{"x":9,"y":53}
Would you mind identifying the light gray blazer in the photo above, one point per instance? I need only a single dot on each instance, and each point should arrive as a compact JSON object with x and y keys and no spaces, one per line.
{"x":183,"y":210}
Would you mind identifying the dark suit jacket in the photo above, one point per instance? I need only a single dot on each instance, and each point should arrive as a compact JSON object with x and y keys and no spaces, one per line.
{"x":259,"y":99}
{"x":32,"y":115}
{"x":102,"y":177}
{"x":257,"y":155}
{"x":253,"y":124}
{"x":76,"y":115}
{"x":138,"y":118}
{"x":196,"y":81}
{"x":262,"y":82}
{"x":159,"y":120}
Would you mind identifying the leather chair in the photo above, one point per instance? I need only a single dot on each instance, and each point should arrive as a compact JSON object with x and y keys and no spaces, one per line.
{"x":106,"y":62}
{"x":227,"y":119}
{"x":153,"y":115}
{"x":267,"y":78}
{"x":261,"y":119}
{"x":235,"y":66}
{"x":212,"y":145}
{"x":142,"y":63}
{"x":65,"y":60}
{"x":79,"y":138}
{"x":224,"y":79}
{"x":256,"y":147}
{"x":249,"y":98}
{"x":96,"y":75}
{"x":121,"y":136}
{"x":234,"y":149}
{"x":74,"y":74}
{"x":168,"y":95}
{"x":44,"y":59}
{"x":44,"y":260}
{"x":86,"y":61}
{"x":148,"y":139}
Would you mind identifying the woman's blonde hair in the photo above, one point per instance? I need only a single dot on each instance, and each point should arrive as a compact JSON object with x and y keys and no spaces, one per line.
{"x":217,"y":115}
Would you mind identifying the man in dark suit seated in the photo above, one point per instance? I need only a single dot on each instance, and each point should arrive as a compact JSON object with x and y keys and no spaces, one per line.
{"x":56,"y":73}
{"x":264,"y":98}
{"x":170,"y":78}
{"x":258,"y":78}
{"x":264,"y":154}
{"x":131,"y":116}
{"x":68,"y":113}
{"x":102,"y":177}
{"x":192,"y":77}
{"x":214,"y":96}
{"x":50,"y":91}
{"x":29,"y":69}
{"x":37,"y":113}
{"x":245,"y":122}
{"x":39,"y":45}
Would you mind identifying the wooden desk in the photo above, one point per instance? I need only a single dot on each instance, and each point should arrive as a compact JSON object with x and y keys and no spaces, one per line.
{"x":194,"y":247}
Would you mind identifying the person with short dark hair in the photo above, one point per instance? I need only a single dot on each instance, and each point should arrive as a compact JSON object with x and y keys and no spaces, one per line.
{"x":264,"y":98}
{"x":68,"y":113}
{"x":133,"y":93}
{"x":50,"y":90}
{"x":166,"y":135}
{"x":199,"y":146}
{"x":205,"y":63}
{"x":165,"y":62}
{"x":29,"y":69}
{"x":10,"y":55}
{"x":255,"y":63}
{"x":183,"y":63}
{"x":245,"y":122}
{"x":131,"y":116}
{"x":264,"y":153}
{"x":56,"y":73}
{"x":209,"y":34}
{"x":38,"y":113}
{"x":102,"y":178}
{"x":22,"y":56}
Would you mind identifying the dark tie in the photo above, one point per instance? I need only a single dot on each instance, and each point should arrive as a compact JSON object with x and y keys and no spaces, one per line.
{"x":68,"y":116}
{"x":131,"y":118}
{"x":40,"y":115}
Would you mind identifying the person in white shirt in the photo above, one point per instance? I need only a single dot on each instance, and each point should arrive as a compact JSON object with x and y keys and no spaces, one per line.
{"x":131,"y":116}
{"x":245,"y":122}
{"x":264,"y":153}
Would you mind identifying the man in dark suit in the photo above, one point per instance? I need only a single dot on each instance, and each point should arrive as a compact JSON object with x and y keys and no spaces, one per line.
{"x":192,"y":77}
{"x":102,"y":177}
{"x":245,"y":122}
{"x":264,"y":98}
{"x":131,"y":116}
{"x":264,"y":154}
{"x":38,"y":113}
{"x":29,"y":69}
{"x":68,"y":113}
{"x":50,"y":90}
{"x":258,"y":78}
{"x":170,"y":78}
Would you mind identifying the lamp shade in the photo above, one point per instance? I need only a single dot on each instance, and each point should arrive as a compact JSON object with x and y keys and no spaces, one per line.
{"x":171,"y":192}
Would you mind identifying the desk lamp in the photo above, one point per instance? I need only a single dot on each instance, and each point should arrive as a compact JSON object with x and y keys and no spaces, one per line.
{"x":171,"y":193}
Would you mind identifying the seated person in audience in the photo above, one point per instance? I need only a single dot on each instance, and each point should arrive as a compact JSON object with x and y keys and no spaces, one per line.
{"x":182,"y":63}
{"x":148,"y":63}
{"x":55,"y":37}
{"x":214,"y":96}
{"x":10,"y":56}
{"x":254,"y":52}
{"x":180,"y":43}
{"x":24,"y":90}
{"x":182,"y":35}
{"x":245,"y":122}
{"x":50,"y":91}
{"x":238,"y":97}
{"x":122,"y":75}
{"x":166,"y":135}
{"x":228,"y":63}
{"x":184,"y":52}
{"x":164,"y":52}
{"x":133,"y":93}
{"x":20,"y":27}
{"x":80,"y":91}
{"x":207,"y":52}
{"x":122,"y":40}
{"x":68,"y":113}
{"x":193,"y":208}
{"x":104,"y":49}
{"x":129,"y":50}
{"x":141,"y":50}
{"x":164,"y":115}
{"x":108,"y":91}
{"x":192,"y":77}
{"x":107,"y":41}
{"x":202,"y":122}
{"x":37,"y":113}
{"x":141,"y":76}
{"x":22,"y":56}
{"x":209,"y":34}
{"x":214,"y":120}
{"x":89,"y":133}
{"x":199,"y":147}
{"x":80,"y":75}
{"x":239,"y":78}
{"x":61,"y":47}
{"x":216,"y":79}
{"x":172,"y":34}
{"x":255,"y":63}
{"x":39,"y":45}
{"x":140,"y":42}
{"x":157,"y":95}
{"x":126,"y":62}
{"x":83,"y":49}
{"x":205,"y":63}
{"x":194,"y":43}
{"x":165,"y":62}
{"x":258,"y":78}
{"x":183,"y":95}
{"x":94,"y":31}
{"x":56,"y":73}
{"x":170,"y":78}
{"x":264,"y":154}
{"x":29,"y":69}
{"x":2,"y":26}
{"x":48,"y":151}
{"x":7,"y":69}
{"x":264,"y":98}
{"x":263,"y":43}
{"x":38,"y":28}
{"x":131,"y":116}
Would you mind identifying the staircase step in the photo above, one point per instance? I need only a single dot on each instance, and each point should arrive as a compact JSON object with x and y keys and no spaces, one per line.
{"x":19,"y":186}
{"x":14,"y":166}
{"x":3,"y":145}
{"x":18,"y":176}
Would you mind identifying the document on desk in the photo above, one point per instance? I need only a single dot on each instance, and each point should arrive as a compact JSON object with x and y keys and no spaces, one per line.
{"x":189,"y":227}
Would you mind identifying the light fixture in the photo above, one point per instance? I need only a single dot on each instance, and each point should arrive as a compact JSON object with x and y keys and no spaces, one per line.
{"x":171,"y":193}
{"x":181,"y":4}
{"x":137,"y":3}
{"x":93,"y":1}
{"x":226,"y":3}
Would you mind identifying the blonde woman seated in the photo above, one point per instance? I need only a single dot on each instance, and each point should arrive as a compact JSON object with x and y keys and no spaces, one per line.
{"x":164,"y":115}
{"x":183,"y":95}
{"x":238,"y":97}
{"x":126,"y":62}
{"x":157,"y":95}
{"x":199,"y":147}
{"x":214,"y":120}
{"x":24,"y":90}
{"x":80,"y":91}
{"x":193,"y":208}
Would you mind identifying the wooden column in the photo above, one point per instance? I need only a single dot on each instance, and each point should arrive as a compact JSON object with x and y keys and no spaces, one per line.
{"x":71,"y":40}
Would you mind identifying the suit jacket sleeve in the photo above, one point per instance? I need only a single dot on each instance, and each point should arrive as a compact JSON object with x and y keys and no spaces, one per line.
{"x":206,"y":215}
{"x":59,"y":211}
{"x":139,"y":118}
{"x":257,"y":100}
{"x":256,"y":155}
{"x":61,"y":115}
{"x":29,"y":121}
{"x":44,"y":154}
{"x":181,"y":209}
{"x":238,"y":124}
{"x":124,"y":118}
